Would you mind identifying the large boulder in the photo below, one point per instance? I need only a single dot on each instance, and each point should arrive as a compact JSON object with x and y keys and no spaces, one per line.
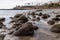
{"x":27,"y":29}
{"x":55,"y":28}
{"x":44,"y":16}
{"x":2,"y":19}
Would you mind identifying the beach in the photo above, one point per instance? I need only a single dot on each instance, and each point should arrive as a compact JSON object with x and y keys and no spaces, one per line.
{"x":43,"y":32}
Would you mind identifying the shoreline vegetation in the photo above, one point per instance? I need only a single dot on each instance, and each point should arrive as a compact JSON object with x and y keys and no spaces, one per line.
{"x":44,"y":6}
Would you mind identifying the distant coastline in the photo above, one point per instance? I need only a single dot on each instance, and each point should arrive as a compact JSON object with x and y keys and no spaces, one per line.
{"x":45,"y":6}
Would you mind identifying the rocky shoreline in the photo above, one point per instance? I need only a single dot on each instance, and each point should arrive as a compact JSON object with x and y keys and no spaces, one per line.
{"x":29,"y":26}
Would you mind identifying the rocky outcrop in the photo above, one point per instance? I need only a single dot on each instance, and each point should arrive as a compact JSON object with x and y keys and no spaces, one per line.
{"x":17,"y":15}
{"x":26,"y":30}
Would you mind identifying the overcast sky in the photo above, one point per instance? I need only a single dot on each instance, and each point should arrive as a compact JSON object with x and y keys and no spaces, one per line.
{"x":4,"y":4}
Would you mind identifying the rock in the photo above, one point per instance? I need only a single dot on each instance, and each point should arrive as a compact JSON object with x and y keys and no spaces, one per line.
{"x":11,"y":18}
{"x":12,"y":21}
{"x":39,"y":10}
{"x":1,"y":24}
{"x":17,"y":15}
{"x":2,"y":36}
{"x":57,"y":15}
{"x":55,"y":28}
{"x":25,"y":30}
{"x":15,"y":25}
{"x":33,"y":13}
{"x":44,"y":16}
{"x":40,"y":14}
{"x":2,"y":19}
{"x":51,"y":22}
{"x":56,"y":19}
{"x":35,"y":27}
{"x":38,"y":18}
{"x":22,"y":17}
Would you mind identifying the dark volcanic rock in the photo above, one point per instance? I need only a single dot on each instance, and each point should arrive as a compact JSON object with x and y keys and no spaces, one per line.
{"x":51,"y":22}
{"x":27,"y":29}
{"x":44,"y":16}
{"x":2,"y":19}
{"x":55,"y":28}
{"x":56,"y":19}
{"x":2,"y":36}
